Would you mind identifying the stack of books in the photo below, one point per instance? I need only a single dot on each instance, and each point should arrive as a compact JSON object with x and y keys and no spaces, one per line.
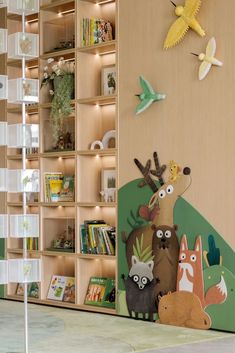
{"x":101,"y":292}
{"x":58,"y":187}
{"x":97,"y":237}
{"x":95,"y":31}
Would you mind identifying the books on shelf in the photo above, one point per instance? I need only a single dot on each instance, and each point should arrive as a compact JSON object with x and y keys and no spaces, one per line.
{"x":58,"y":187}
{"x":97,"y":237}
{"x":33,"y":290}
{"x":101,"y":292}
{"x":32,"y":244}
{"x":95,"y":31}
{"x":62,"y":288}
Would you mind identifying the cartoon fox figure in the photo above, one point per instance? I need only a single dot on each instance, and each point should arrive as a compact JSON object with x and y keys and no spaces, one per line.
{"x":190,"y":275}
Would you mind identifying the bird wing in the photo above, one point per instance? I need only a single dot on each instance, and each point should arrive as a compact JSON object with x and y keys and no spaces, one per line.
{"x":204,"y":69}
{"x":143,"y":106}
{"x":211,"y":48}
{"x":176,"y":33}
{"x":147,"y":88}
{"x":191,"y":7}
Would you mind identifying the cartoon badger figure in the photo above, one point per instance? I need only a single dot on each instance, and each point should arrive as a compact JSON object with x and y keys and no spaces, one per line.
{"x":139,"y":286}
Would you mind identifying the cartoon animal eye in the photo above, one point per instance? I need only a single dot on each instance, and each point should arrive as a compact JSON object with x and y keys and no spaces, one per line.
{"x":144,"y":280}
{"x":169,"y":189}
{"x":162,"y":194}
{"x":168,"y":234}
{"x":136,"y":278}
{"x":159,"y":234}
{"x":182,"y":256}
{"x":193,"y":258}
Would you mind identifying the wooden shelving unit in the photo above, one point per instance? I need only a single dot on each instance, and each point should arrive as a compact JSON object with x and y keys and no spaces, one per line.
{"x":94,"y":114}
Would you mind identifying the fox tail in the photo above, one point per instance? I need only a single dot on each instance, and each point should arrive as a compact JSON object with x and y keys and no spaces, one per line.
{"x":216,"y":294}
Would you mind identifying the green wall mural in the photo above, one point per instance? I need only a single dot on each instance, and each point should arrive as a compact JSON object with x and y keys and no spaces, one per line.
{"x":191,"y":223}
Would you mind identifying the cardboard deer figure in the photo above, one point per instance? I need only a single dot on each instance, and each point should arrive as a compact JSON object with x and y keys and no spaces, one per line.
{"x":159,"y":211}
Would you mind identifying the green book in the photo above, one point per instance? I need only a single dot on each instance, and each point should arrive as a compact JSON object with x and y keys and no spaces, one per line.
{"x":67,"y":190}
{"x":101,"y":292}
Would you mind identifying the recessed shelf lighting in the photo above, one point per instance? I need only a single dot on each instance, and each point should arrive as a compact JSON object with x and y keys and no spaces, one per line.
{"x":67,"y":12}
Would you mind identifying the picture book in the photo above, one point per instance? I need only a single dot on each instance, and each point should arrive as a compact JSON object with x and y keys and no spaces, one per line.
{"x":95,"y":31}
{"x":69,"y":292}
{"x":67,"y":191}
{"x":57,"y":288}
{"x":101,"y":292}
{"x":58,"y":187}
{"x":33,"y":289}
{"x":52,"y":186}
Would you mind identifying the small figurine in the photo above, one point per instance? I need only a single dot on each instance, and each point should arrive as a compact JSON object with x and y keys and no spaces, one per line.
{"x":60,"y":145}
{"x":68,"y":144}
{"x":174,"y":170}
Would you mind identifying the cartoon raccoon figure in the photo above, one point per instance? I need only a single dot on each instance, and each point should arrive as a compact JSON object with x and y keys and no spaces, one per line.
{"x":140,"y":289}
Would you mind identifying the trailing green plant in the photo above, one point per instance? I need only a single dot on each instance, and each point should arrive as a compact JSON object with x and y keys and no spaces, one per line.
{"x":61,"y":77}
{"x":60,"y":106}
{"x":144,"y":255}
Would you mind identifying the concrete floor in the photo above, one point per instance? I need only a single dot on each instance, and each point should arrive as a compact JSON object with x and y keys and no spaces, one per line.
{"x":66,"y":331}
{"x":224,"y":345}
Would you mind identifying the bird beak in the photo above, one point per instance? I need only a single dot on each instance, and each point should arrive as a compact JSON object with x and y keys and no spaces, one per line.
{"x":194,"y":54}
{"x":137,"y":95}
{"x":173,"y":3}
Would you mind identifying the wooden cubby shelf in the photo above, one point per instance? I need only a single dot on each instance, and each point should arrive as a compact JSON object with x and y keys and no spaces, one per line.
{"x":97,"y":204}
{"x":48,"y":105}
{"x":58,"y":6}
{"x":58,"y":53}
{"x":98,"y":100}
{"x":29,"y":157}
{"x":93,"y":116}
{"x":58,"y":204}
{"x":101,"y":49}
{"x":104,"y":152}
{"x":100,"y":2}
{"x":20,"y":204}
{"x":59,"y":154}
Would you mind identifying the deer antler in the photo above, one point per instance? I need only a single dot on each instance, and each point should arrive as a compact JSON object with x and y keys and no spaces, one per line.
{"x":158,"y":172}
{"x":146,"y":174}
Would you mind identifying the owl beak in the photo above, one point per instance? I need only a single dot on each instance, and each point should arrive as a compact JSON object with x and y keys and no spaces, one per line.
{"x":173,"y":3}
{"x":194,"y":54}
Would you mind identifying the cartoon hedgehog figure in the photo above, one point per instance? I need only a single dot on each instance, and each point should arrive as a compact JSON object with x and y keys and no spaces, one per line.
{"x":139,"y":286}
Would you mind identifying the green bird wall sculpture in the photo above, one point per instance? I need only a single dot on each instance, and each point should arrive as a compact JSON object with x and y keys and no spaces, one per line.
{"x":147,"y":97}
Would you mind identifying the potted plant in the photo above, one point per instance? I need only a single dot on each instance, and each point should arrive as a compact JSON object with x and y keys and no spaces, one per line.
{"x":60,"y":76}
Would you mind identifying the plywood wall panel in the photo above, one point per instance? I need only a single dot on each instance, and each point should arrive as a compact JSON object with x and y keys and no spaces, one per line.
{"x":195,"y":125}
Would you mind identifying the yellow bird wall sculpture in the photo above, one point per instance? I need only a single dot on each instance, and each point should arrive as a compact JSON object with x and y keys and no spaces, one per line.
{"x":185,"y":21}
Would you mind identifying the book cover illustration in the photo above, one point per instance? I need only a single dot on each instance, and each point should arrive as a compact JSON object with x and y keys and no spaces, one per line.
{"x":57,"y":288}
{"x":69,"y":292}
{"x":101,"y":292}
{"x":67,"y":191}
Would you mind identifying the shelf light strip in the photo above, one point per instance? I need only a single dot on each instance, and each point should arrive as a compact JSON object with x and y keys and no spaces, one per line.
{"x":32,"y":21}
{"x":102,"y":2}
{"x":67,"y":12}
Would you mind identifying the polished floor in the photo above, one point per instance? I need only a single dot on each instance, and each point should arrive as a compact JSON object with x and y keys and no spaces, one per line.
{"x":66,"y":331}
